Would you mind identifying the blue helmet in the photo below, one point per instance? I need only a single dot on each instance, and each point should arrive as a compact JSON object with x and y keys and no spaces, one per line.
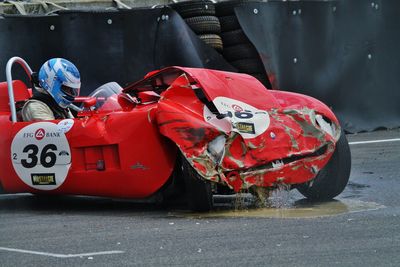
{"x":61,"y":79}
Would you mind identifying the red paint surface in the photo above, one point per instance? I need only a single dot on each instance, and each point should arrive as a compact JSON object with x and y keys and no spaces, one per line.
{"x":121,"y":139}
{"x":127,"y":136}
{"x":180,"y":117}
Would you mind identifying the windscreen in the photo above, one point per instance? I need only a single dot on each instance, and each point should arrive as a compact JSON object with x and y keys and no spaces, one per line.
{"x":107,"y":97}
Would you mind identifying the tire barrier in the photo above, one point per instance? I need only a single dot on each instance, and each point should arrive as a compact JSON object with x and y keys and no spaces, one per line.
{"x":188,"y":9}
{"x":238,"y":49}
{"x":200,"y":17}
{"x":213,"y":40}
{"x":204,"y":24}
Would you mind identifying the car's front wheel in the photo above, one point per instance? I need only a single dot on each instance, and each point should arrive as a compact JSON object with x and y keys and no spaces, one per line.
{"x":332,"y":179}
{"x":198,"y":190}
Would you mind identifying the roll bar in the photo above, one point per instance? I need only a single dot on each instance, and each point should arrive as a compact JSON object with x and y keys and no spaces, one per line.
{"x":28,"y":71}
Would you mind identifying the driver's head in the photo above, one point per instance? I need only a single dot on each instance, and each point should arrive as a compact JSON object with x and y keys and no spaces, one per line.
{"x":61,"y":79}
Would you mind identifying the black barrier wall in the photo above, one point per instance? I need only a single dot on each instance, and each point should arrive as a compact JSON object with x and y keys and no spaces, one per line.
{"x":106,"y":46}
{"x":344,"y":53}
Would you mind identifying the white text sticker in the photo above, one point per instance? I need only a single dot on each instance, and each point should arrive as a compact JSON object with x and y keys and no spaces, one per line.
{"x":238,"y":116}
{"x":41,"y":155}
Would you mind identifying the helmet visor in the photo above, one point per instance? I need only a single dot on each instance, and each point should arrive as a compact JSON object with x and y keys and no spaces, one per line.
{"x":69,"y":91}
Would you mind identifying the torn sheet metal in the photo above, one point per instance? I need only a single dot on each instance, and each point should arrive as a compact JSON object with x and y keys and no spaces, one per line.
{"x":237,"y":133}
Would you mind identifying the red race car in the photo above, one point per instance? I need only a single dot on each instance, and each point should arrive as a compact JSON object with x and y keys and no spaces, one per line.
{"x":205,"y":131}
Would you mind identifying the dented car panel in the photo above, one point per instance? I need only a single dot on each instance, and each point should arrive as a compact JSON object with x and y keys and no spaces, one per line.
{"x":229,"y":128}
{"x":269,"y":137}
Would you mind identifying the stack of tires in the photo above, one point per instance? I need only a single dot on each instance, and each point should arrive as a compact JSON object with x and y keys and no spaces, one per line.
{"x":200,"y":17}
{"x":238,"y":50}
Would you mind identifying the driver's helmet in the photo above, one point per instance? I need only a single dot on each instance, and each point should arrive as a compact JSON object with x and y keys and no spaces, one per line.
{"x":61,"y":79}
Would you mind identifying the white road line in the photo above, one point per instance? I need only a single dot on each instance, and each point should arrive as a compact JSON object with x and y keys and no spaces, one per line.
{"x":15,"y":194}
{"x":62,"y":255}
{"x":375,"y":141}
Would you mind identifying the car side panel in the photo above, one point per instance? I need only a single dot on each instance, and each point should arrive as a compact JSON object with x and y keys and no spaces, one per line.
{"x":120,"y":154}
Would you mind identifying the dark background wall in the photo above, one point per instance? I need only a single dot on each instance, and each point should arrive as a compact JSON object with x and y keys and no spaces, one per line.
{"x":344,"y":53}
{"x":117,"y":46}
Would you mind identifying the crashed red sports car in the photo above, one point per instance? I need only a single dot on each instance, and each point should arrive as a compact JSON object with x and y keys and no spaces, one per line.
{"x":206,"y":131}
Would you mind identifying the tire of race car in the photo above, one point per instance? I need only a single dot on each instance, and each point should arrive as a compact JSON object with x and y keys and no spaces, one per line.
{"x":333,"y":178}
{"x":229,"y":23}
{"x":212,"y":40}
{"x":198,"y":190}
{"x":235,"y":37}
{"x":248,"y":65}
{"x":240,"y":51}
{"x":226,"y":8}
{"x":204,"y":24}
{"x":194,"y":8}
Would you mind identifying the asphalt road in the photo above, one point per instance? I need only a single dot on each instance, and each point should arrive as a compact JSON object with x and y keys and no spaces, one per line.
{"x":360,"y":228}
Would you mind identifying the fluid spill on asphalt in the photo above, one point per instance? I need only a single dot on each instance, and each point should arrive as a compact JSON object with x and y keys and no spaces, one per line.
{"x":281,"y":204}
{"x":300,"y":209}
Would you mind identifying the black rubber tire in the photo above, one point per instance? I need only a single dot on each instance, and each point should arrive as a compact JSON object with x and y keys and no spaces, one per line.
{"x":198,"y":190}
{"x":234,"y":37}
{"x":194,"y":8}
{"x":248,"y":65}
{"x":212,"y":40}
{"x":240,"y":51}
{"x":226,"y":8}
{"x":173,"y":191}
{"x":229,"y":23}
{"x":204,"y":24}
{"x":333,"y":178}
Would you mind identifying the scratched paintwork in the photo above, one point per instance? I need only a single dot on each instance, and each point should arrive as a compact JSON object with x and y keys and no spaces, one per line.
{"x":293,"y":136}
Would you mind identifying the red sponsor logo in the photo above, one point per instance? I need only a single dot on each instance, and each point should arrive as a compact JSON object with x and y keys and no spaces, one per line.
{"x":40,"y":134}
{"x":237,"y":107}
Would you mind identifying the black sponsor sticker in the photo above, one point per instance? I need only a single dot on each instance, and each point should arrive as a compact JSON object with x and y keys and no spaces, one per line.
{"x":63,"y":153}
{"x":43,"y":178}
{"x":245,"y":127}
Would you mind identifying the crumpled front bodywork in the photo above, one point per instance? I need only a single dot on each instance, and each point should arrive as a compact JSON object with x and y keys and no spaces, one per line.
{"x":235,"y":132}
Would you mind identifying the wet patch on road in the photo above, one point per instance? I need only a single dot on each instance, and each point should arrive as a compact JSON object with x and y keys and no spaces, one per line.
{"x":299,"y":209}
{"x":284,"y":203}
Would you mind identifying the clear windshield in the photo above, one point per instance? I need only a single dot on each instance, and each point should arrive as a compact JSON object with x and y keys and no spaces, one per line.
{"x":107,"y":97}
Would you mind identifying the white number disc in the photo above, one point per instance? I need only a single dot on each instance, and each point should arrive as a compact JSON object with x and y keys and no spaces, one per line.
{"x":238,"y":117}
{"x":41,"y":155}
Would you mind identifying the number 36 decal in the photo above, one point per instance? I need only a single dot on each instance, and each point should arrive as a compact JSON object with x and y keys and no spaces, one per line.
{"x":47,"y":156}
{"x":41,"y":150}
